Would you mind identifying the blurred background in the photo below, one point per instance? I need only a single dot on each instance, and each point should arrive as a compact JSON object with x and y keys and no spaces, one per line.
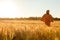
{"x":28,"y":8}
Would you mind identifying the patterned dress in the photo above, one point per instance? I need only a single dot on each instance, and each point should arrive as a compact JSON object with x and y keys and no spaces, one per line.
{"x":47,"y":18}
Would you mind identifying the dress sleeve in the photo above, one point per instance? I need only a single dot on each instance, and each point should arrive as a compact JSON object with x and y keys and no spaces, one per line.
{"x":43,"y":17}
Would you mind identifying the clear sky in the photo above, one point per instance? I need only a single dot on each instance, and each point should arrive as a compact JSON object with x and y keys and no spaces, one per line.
{"x":28,"y":8}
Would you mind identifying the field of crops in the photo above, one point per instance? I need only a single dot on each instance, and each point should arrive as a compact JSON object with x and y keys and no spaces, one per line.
{"x":29,"y":30}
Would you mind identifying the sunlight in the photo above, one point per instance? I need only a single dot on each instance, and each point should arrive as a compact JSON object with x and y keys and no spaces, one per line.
{"x":21,"y":8}
{"x":8,"y":9}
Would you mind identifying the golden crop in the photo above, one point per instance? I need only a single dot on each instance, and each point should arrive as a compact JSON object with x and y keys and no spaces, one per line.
{"x":29,"y":30}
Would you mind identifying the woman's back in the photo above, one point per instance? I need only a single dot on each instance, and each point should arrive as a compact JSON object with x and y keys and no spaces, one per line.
{"x":47,"y":18}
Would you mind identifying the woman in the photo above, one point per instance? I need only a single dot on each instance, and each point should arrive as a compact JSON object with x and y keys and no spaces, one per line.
{"x":47,"y":18}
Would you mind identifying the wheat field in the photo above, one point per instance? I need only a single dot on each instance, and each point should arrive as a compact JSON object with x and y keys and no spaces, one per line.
{"x":29,"y":30}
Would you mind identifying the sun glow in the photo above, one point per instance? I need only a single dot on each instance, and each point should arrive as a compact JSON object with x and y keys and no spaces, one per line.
{"x":28,"y":8}
{"x":8,"y":9}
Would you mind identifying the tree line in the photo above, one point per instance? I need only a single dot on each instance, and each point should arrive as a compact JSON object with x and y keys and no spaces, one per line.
{"x":29,"y":18}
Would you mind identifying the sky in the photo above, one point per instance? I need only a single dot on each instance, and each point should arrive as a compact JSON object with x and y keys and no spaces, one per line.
{"x":28,"y":8}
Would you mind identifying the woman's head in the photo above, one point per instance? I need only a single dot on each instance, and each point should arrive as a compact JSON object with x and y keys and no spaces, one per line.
{"x":47,"y":12}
